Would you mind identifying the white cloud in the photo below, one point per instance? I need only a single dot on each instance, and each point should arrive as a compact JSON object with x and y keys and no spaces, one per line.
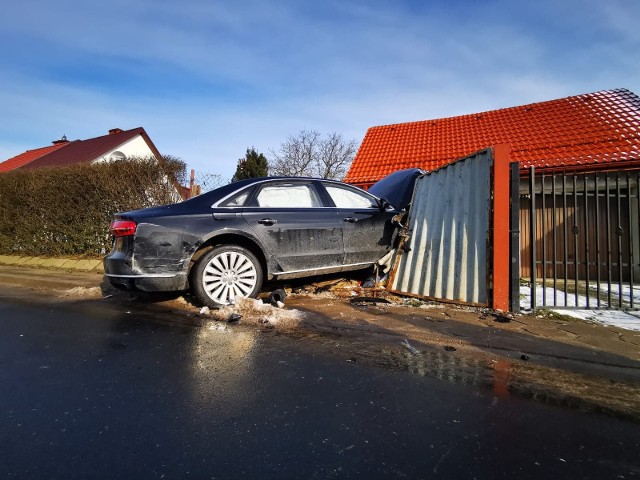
{"x":209,"y":79}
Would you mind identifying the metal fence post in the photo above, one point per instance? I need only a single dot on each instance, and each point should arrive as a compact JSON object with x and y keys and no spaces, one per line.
{"x":514,"y":246}
{"x":532,"y":234}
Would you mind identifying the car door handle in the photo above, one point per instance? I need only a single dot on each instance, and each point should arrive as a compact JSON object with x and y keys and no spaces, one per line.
{"x":268,"y":221}
{"x":350,"y":219}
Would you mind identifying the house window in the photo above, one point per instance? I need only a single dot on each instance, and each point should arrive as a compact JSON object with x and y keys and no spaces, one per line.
{"x":117,"y":155}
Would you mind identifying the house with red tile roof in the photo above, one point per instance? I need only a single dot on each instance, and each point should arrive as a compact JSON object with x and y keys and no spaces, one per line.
{"x":116,"y":145}
{"x":579,"y":163}
{"x":584,"y":133}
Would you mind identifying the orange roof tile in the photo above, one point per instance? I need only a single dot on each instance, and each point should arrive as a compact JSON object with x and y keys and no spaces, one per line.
{"x":28,"y":157}
{"x":585,"y":130}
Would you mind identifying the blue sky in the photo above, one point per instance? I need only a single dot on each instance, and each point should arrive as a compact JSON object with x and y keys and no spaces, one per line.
{"x":208,"y":78}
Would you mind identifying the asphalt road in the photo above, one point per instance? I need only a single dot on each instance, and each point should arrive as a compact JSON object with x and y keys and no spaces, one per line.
{"x":97,"y":390}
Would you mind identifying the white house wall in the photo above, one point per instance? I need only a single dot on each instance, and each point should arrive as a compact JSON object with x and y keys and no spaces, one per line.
{"x":135,"y":147}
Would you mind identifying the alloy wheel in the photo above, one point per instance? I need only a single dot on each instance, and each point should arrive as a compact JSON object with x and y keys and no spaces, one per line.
{"x":228,"y":275}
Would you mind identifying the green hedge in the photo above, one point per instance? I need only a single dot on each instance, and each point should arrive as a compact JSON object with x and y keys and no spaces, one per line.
{"x":66,"y":211}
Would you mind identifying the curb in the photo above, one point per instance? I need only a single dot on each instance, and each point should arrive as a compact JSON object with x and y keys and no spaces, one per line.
{"x":82,"y":265}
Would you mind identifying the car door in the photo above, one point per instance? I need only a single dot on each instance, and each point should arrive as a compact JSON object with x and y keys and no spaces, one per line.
{"x":367,"y":231}
{"x":298,"y":230}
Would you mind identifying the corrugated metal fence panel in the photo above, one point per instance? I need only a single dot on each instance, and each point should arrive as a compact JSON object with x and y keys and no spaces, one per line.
{"x":449,"y":227}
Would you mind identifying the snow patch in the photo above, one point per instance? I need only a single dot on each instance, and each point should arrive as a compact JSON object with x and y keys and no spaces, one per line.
{"x":612,"y":318}
{"x":256,"y":312}
{"x":83,"y":292}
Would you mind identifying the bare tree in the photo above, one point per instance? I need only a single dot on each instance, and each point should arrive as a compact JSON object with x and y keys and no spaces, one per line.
{"x":309,"y":155}
{"x":297,"y":155}
{"x":336,"y":156}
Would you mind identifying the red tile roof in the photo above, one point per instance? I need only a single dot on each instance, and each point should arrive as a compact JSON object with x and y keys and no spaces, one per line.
{"x":77,"y":151}
{"x":80,"y":151}
{"x":589,"y":131}
{"x":28,"y":157}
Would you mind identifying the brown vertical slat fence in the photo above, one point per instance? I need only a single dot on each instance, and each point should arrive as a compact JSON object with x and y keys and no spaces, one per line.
{"x":579,"y":238}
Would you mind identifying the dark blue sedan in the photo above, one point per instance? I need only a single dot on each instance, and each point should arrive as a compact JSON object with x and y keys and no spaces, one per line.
{"x":223,"y":244}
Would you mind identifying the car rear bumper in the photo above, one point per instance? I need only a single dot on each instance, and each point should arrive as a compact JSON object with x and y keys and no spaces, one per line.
{"x":148,"y":283}
{"x":118,"y":270}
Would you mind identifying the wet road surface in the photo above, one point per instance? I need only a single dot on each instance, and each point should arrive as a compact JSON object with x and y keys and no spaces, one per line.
{"x":98,"y":390}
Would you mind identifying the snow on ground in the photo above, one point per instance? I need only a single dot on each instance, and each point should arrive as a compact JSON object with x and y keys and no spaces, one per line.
{"x":81,"y":292}
{"x":257,"y":312}
{"x":614,"y":318}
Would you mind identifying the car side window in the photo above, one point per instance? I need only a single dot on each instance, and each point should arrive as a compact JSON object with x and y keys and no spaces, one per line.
{"x":287,"y":195}
{"x":345,"y":197}
{"x":237,"y":200}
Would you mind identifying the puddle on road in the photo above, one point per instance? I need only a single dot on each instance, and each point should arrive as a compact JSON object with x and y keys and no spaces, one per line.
{"x":505,"y":378}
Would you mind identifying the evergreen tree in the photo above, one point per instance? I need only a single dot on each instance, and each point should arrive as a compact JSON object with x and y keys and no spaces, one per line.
{"x":253,"y":165}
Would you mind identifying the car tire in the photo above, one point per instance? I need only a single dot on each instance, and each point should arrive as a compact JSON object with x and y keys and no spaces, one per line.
{"x":225,"y":273}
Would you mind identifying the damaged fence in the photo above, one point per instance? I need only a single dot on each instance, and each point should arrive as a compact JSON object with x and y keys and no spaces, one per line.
{"x":457,"y":238}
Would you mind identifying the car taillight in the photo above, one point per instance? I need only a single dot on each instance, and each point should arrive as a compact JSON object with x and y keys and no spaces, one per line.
{"x":123,"y":228}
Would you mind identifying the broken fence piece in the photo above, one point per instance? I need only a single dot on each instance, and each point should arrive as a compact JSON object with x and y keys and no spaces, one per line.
{"x":408,"y":346}
{"x":357,"y":300}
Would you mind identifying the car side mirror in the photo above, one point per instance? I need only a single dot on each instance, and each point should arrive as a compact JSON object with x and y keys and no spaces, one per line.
{"x":383,"y":204}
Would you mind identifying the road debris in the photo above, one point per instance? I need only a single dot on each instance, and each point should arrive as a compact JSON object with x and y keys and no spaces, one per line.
{"x":502,"y":318}
{"x":408,"y":346}
{"x":276,"y":298}
{"x":365,"y":300}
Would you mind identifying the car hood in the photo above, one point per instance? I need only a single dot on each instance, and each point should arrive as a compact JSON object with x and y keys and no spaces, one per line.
{"x":397,"y":188}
